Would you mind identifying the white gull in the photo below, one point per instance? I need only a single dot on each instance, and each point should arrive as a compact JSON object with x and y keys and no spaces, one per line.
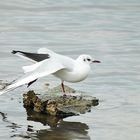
{"x":47,"y":62}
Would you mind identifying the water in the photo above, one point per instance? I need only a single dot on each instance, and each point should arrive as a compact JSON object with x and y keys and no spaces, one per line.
{"x":109,"y":30}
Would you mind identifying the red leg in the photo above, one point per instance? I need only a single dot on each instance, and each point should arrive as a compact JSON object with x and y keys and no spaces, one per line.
{"x":63,"y":89}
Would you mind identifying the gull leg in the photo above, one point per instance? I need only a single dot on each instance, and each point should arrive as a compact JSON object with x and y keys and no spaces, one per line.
{"x":63,"y":88}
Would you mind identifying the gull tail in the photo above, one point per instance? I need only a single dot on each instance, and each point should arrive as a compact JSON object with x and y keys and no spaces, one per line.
{"x":6,"y":89}
{"x":27,"y":79}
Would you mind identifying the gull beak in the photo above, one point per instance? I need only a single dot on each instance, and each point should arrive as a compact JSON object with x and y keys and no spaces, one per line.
{"x":96,"y":61}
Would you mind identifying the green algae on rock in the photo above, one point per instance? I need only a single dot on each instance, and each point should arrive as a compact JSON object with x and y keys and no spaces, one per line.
{"x":55,"y":104}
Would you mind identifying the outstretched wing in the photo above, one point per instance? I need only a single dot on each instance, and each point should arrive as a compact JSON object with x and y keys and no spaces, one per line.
{"x":42,"y":54}
{"x":35,"y":57}
{"x":44,"y":68}
{"x":47,"y":62}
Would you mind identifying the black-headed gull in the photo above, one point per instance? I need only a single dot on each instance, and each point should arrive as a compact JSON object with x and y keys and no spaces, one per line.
{"x":47,"y":62}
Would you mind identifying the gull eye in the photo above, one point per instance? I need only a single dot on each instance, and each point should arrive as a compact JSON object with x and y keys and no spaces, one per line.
{"x":88,"y":59}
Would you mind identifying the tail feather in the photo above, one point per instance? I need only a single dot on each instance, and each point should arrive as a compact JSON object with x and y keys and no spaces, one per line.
{"x":4,"y":90}
{"x":3,"y":87}
{"x":22,"y":81}
{"x":9,"y":87}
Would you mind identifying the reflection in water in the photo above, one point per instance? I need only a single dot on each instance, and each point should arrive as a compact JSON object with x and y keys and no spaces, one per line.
{"x":65,"y":131}
{"x":13,"y":127}
{"x":59,"y":129}
{"x":4,"y":118}
{"x":10,"y":124}
{"x":38,"y":117}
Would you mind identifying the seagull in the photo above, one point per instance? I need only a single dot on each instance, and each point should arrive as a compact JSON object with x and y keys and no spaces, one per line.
{"x":46,"y":62}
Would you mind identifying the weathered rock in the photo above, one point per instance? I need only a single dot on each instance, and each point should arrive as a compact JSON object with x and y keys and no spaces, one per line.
{"x":55,"y":104}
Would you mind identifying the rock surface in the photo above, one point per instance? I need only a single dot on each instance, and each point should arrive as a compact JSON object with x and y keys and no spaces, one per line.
{"x":54,"y":103}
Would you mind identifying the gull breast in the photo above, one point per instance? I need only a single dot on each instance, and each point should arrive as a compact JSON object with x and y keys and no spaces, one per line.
{"x":76,"y":75}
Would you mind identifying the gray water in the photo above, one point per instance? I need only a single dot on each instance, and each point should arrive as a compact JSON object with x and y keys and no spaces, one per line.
{"x":109,"y":30}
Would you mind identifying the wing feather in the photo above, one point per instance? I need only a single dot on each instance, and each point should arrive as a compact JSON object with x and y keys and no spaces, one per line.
{"x":45,"y":68}
{"x":31,"y":67}
{"x":34,"y":57}
{"x":42,"y":68}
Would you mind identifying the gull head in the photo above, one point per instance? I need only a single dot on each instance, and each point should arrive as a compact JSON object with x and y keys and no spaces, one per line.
{"x":87,"y":59}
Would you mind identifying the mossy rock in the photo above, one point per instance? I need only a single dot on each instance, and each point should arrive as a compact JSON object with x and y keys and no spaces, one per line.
{"x":54,"y":103}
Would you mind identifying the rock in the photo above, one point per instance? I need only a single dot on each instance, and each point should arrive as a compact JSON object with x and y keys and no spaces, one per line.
{"x":55,"y":104}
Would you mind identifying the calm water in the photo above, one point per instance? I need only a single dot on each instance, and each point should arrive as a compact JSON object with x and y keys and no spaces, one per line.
{"x":109,"y":30}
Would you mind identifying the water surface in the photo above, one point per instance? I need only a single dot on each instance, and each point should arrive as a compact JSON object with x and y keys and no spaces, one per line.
{"x":109,"y":30}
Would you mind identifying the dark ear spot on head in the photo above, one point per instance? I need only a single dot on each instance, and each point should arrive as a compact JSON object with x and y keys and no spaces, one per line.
{"x":84,"y":59}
